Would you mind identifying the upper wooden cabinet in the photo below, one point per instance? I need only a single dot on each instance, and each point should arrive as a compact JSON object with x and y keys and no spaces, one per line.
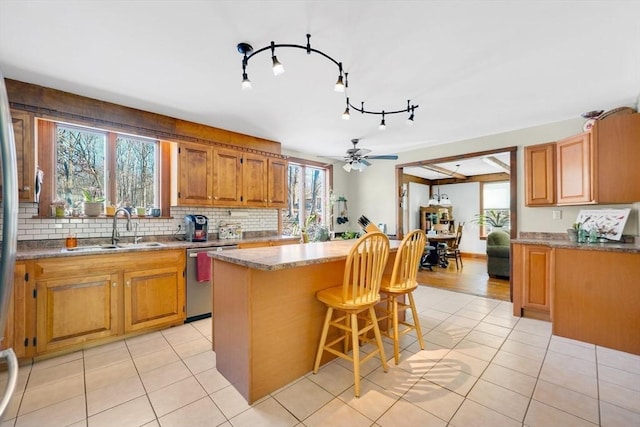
{"x":539,"y":169}
{"x":278,"y":192}
{"x":212,"y":176}
{"x":574,"y":170}
{"x":195,"y":183}
{"x":254,"y":180}
{"x":600,"y":166}
{"x":227,"y":177}
{"x":23,"y":130}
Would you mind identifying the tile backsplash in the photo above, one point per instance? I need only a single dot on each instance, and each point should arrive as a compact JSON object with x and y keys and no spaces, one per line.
{"x":32,"y":227}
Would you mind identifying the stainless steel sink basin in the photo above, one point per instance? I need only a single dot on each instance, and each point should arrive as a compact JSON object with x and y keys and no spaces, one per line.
{"x":92,"y":248}
{"x":141,"y":245}
{"x":109,"y":247}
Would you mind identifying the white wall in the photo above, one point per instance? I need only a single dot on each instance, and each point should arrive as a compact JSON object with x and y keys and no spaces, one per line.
{"x":418,"y":195}
{"x":373,"y":192}
{"x":465,"y":199}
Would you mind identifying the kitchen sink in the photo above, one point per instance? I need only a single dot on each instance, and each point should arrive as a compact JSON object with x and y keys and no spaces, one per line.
{"x":141,"y":245}
{"x":109,"y":247}
{"x":92,"y":248}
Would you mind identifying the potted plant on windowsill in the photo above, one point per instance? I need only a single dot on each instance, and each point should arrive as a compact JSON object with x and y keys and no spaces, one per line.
{"x":93,"y":202}
{"x":493,"y":218}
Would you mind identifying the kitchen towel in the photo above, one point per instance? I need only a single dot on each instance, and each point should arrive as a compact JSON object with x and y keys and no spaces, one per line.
{"x":203,"y":267}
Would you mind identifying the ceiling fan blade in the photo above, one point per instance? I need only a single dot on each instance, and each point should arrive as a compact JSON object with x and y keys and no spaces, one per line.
{"x":385,"y":157}
{"x":362,"y":152}
{"x":364,"y":162}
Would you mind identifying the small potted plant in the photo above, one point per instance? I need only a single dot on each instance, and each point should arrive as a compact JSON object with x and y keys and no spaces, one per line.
{"x":93,"y":202}
{"x":57,"y":208}
{"x":493,"y":218}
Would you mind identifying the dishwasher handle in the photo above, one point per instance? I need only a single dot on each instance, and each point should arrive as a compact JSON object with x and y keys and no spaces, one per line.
{"x":194,"y":253}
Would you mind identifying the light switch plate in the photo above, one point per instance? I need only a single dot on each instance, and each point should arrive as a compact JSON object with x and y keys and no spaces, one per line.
{"x":557,"y":214}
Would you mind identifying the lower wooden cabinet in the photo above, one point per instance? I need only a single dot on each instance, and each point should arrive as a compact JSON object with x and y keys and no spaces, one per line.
{"x":531,"y":280}
{"x":153,"y":297}
{"x":75,"y":310}
{"x":85,"y":299}
{"x":20,"y":318}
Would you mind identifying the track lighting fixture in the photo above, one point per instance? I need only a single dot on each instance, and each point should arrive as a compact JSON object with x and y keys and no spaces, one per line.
{"x":341,"y":85}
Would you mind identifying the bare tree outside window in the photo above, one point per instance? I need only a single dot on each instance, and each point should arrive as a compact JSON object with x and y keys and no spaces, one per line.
{"x":135,"y":172}
{"x":80,"y":164}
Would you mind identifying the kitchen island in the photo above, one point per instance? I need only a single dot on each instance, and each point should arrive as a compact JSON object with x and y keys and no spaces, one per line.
{"x":266,"y":318}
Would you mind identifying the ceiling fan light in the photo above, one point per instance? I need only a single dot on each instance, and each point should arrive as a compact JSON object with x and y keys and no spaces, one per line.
{"x":246,"y":83}
{"x":278,"y":68}
{"x":347,"y":167}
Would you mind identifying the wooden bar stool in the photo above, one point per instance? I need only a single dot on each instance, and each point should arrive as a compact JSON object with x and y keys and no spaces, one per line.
{"x":402,"y":282}
{"x":356,"y":297}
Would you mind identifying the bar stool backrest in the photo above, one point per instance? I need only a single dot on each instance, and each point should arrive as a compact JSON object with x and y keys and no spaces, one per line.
{"x":407,"y":263}
{"x":364,"y":267}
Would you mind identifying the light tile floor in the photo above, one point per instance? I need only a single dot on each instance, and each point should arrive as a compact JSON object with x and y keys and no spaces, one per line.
{"x":481,"y":367}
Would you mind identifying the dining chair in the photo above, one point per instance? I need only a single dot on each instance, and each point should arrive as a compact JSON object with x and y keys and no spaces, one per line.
{"x":354,"y":302}
{"x":402,"y":282}
{"x":453,"y":250}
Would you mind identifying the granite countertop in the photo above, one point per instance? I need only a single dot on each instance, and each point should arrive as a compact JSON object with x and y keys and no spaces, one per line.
{"x":290,"y":256}
{"x":566,"y":244}
{"x":60,"y":251}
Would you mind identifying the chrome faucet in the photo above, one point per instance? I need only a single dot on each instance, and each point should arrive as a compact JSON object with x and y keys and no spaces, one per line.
{"x":114,"y":233}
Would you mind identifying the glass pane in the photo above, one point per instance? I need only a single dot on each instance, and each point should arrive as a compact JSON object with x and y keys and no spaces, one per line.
{"x":314,"y":195}
{"x":135,"y":172}
{"x":291,"y":215}
{"x":79,"y":164}
{"x":496,"y":195}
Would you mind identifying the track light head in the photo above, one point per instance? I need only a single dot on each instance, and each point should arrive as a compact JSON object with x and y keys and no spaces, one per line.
{"x":339,"y":87}
{"x":383,"y":125}
{"x":246,"y":83}
{"x":278,"y":68}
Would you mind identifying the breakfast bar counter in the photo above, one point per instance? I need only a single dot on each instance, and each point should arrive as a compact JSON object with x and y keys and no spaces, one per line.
{"x":266,"y":318}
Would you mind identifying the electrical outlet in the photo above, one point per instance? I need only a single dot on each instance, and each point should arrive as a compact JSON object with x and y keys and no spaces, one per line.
{"x":557,"y":214}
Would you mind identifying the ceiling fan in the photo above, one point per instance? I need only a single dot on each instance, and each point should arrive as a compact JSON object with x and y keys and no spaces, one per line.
{"x":357,"y":158}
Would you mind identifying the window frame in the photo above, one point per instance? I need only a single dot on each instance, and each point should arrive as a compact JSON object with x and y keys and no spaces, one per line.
{"x":328,"y":179}
{"x":46,"y":151}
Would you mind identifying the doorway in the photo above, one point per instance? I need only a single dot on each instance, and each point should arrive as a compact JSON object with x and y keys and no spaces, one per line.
{"x":452,"y":176}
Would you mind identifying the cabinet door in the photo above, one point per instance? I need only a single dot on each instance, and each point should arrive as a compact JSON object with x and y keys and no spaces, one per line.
{"x":74,"y":310}
{"x":532,"y":279}
{"x":617,"y":144}
{"x":254,"y":180}
{"x":277,"y":178}
{"x":23,"y":134}
{"x":575,"y":170}
{"x":227,"y":177}
{"x":196,"y":183}
{"x":540,"y":171}
{"x":21,"y":327}
{"x":153,"y":297}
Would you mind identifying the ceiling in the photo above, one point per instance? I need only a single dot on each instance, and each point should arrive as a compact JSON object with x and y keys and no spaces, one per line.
{"x":474,"y":68}
{"x":463,"y":168}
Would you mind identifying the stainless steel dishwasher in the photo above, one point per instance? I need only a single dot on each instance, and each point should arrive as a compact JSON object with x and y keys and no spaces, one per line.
{"x":199,"y":294}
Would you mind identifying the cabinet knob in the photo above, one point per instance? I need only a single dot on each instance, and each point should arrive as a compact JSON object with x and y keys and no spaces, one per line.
{"x":216,"y":198}
{"x":209,"y":197}
{"x":114,"y":284}
{"x":128,"y":283}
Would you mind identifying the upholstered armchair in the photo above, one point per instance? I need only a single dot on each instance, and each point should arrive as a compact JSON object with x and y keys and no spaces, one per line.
{"x":498,"y":253}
